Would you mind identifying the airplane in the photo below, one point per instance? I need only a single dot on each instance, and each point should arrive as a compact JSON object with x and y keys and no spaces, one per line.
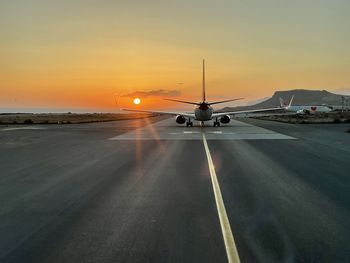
{"x":203,"y":110}
{"x":304,"y":109}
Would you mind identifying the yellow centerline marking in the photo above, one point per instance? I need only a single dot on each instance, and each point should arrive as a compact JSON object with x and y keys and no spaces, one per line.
{"x":231,"y":249}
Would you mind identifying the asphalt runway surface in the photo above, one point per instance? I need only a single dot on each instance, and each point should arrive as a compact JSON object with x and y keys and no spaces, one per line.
{"x":142,"y":191}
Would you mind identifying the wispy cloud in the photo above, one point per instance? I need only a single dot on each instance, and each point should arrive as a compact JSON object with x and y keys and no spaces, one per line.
{"x":154,"y":93}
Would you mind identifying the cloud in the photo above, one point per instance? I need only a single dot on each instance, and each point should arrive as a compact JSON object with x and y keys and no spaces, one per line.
{"x":154,"y":93}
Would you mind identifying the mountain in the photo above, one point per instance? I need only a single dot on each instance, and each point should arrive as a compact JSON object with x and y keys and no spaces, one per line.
{"x":342,"y":91}
{"x":301,"y":97}
{"x":253,"y":102}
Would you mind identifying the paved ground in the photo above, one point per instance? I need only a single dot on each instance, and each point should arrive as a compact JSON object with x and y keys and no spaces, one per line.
{"x":134,"y":191}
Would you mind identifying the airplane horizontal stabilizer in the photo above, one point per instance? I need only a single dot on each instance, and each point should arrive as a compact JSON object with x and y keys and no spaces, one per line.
{"x":223,"y":101}
{"x":182,"y":101}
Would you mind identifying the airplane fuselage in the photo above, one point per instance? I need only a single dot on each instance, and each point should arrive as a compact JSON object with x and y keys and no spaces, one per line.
{"x":203,"y":112}
{"x":310,"y":109}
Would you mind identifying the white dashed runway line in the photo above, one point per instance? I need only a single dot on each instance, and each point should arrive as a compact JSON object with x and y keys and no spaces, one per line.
{"x":169,"y":130}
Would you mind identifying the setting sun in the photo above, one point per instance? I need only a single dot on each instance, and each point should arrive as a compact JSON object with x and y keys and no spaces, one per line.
{"x":137,"y":101}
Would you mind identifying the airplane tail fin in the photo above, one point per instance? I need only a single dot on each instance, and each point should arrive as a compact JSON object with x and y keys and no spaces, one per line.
{"x":283,"y":104}
{"x":290,"y":102}
{"x":203,"y":82}
{"x":203,"y":94}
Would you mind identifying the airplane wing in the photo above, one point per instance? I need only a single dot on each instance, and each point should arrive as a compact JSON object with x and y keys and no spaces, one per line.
{"x":185,"y":114}
{"x":219,"y":114}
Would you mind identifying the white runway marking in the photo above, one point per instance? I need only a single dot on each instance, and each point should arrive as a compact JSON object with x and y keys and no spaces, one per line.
{"x":231,"y":249}
{"x":169,"y":130}
{"x":216,"y":132}
{"x":22,"y":128}
{"x":190,"y":132}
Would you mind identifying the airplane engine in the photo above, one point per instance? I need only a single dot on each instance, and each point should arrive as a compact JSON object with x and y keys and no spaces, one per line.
{"x":225,"y":119}
{"x":303,"y":111}
{"x":180,"y":119}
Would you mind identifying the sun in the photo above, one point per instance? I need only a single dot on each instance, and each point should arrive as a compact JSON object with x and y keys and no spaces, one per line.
{"x":137,"y":101}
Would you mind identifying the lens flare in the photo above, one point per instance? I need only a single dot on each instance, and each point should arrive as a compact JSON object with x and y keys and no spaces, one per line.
{"x":137,"y":101}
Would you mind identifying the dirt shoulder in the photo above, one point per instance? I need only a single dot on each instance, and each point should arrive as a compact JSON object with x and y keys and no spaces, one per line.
{"x":66,"y":118}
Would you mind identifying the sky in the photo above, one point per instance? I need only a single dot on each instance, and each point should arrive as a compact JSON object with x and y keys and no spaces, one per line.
{"x":80,"y":53}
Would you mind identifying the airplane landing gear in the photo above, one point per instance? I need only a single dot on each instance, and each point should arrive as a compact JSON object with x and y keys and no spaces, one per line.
{"x":189,"y":123}
{"x":216,"y":123}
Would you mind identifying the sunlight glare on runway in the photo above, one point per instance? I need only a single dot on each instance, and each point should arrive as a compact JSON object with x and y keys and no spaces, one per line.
{"x":168,"y":130}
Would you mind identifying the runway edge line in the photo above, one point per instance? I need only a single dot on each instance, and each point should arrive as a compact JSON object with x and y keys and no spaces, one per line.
{"x":230,"y":246}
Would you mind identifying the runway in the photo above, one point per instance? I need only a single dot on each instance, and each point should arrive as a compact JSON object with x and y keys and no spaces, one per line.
{"x":169,"y":130}
{"x":142,"y":191}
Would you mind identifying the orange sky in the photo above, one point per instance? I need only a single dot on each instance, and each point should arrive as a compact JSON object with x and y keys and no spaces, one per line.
{"x":78,"y":54}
